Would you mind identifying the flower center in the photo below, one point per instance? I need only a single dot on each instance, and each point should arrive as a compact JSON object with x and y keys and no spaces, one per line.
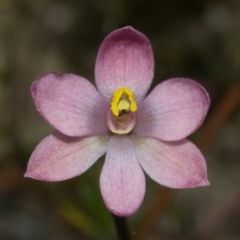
{"x":123,"y":100}
{"x":122,"y":114}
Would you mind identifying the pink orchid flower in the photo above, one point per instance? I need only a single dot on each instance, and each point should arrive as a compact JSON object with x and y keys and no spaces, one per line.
{"x":135,"y":132}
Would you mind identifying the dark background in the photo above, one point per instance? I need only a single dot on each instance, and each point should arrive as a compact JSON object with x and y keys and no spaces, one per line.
{"x":199,"y":39}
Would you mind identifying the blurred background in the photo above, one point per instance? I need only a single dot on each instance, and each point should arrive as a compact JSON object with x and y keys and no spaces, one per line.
{"x":198,"y":39}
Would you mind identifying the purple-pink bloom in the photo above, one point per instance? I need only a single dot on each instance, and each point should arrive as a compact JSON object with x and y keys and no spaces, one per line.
{"x":135,"y":132}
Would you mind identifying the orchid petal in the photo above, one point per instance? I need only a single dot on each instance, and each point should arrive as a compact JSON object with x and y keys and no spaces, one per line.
{"x":124,"y":60}
{"x":122,"y":180}
{"x":71,"y":104}
{"x":173,"y":110}
{"x":59,"y":157}
{"x":173,"y":164}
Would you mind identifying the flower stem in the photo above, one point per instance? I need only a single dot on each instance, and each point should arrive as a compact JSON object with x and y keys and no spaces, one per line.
{"x":121,"y":227}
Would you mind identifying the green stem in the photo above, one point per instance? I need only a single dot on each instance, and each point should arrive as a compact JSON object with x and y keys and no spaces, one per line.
{"x":121,"y":227}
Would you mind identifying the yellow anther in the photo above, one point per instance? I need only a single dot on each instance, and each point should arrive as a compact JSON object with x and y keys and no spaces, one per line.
{"x":124,"y":104}
{"x":123,"y":101}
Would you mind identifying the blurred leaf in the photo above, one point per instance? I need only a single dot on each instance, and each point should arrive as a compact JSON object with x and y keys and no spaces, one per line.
{"x":78,"y":219}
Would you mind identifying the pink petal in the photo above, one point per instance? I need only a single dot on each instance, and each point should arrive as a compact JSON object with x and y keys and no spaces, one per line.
{"x":71,"y":104}
{"x":122,"y":180}
{"x":58,"y":157}
{"x":125,"y":59}
{"x":172,"y":164}
{"x":173,"y":110}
